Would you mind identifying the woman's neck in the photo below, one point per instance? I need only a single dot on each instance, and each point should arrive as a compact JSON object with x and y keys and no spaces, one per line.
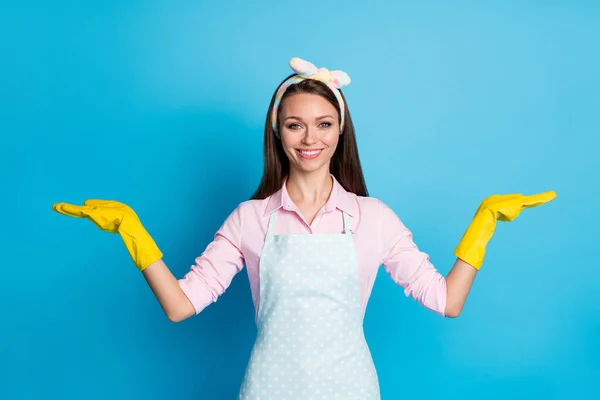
{"x":309,"y":189}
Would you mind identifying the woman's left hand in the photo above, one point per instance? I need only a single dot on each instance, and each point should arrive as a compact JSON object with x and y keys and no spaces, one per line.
{"x":505,"y":207}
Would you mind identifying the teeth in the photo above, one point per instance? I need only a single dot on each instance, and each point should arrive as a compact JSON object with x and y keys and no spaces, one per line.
{"x":311,"y":153}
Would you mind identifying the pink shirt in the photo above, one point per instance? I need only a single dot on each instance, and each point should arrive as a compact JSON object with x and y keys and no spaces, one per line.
{"x":380,"y":238}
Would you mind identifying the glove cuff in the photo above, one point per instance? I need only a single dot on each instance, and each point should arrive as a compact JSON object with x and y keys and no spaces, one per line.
{"x":140,"y":245}
{"x":472,"y":246}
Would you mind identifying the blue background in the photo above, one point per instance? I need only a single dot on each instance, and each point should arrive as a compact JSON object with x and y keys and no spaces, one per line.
{"x":161,"y":104}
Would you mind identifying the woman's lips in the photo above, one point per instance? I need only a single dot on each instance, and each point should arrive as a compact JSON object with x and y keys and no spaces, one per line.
{"x":309,"y":154}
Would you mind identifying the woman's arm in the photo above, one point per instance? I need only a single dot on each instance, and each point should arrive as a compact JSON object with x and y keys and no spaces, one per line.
{"x":470,"y":251}
{"x":168,"y":292}
{"x":412,"y":269}
{"x":408,"y":266}
{"x":458,"y":284}
{"x":205,"y":281}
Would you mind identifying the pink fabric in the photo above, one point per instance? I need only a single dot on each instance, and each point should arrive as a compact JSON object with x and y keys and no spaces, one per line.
{"x":380,"y":238}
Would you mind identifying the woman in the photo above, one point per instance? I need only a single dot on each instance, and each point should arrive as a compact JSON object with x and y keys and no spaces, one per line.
{"x":312,"y":241}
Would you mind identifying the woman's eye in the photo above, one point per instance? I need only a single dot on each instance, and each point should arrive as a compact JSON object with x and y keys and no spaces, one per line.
{"x":295,"y":126}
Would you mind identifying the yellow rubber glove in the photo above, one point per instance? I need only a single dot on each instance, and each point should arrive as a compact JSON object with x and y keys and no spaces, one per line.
{"x":505,"y":207}
{"x":112,"y":216}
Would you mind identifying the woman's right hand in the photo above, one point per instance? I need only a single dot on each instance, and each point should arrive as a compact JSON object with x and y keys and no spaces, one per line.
{"x":115,"y":217}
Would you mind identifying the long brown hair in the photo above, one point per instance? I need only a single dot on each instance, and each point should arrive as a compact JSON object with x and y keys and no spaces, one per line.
{"x":345,"y":163}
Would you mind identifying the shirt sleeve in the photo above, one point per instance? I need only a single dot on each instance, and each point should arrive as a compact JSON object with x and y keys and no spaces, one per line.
{"x":215,"y":268}
{"x":407,"y":265}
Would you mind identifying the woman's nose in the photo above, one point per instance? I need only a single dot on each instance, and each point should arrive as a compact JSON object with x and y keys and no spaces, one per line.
{"x":310,"y":136}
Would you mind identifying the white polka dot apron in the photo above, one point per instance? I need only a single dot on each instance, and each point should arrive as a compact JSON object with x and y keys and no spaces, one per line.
{"x":310,"y":342}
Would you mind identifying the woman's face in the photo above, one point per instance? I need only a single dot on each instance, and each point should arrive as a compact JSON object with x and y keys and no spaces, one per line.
{"x":309,"y":131}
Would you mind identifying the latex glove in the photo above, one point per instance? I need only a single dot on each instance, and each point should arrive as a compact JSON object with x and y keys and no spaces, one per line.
{"x":112,"y":216}
{"x":505,"y":207}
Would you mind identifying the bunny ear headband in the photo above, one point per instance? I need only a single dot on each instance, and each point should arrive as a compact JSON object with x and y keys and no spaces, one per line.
{"x":305,"y":70}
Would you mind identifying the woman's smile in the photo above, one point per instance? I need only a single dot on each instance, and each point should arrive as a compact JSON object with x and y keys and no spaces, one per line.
{"x":309,"y":154}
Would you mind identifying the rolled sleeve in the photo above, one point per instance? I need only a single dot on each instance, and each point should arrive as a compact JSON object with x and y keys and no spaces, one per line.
{"x":407,"y":265}
{"x":216,"y":267}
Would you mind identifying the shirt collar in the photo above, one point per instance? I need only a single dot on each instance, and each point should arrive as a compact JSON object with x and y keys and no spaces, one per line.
{"x":339,"y":198}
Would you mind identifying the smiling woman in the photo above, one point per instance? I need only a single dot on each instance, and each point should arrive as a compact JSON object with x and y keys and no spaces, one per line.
{"x":312,"y":241}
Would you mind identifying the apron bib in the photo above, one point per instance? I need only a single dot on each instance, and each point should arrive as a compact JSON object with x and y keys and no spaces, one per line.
{"x":310,"y":342}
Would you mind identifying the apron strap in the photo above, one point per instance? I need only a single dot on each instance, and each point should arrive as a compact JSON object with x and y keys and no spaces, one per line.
{"x":346,"y":223}
{"x":271,"y":226}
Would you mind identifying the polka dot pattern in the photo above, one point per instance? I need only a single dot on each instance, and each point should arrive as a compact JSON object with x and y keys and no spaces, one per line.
{"x":310,"y":342}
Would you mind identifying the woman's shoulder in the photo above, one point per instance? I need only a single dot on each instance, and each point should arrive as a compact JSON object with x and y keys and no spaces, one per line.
{"x":369,"y":203}
{"x":251,"y":209}
{"x":243,"y":218}
{"x":377,"y":210}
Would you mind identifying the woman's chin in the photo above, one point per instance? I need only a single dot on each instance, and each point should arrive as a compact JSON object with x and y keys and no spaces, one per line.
{"x":309,"y":166}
